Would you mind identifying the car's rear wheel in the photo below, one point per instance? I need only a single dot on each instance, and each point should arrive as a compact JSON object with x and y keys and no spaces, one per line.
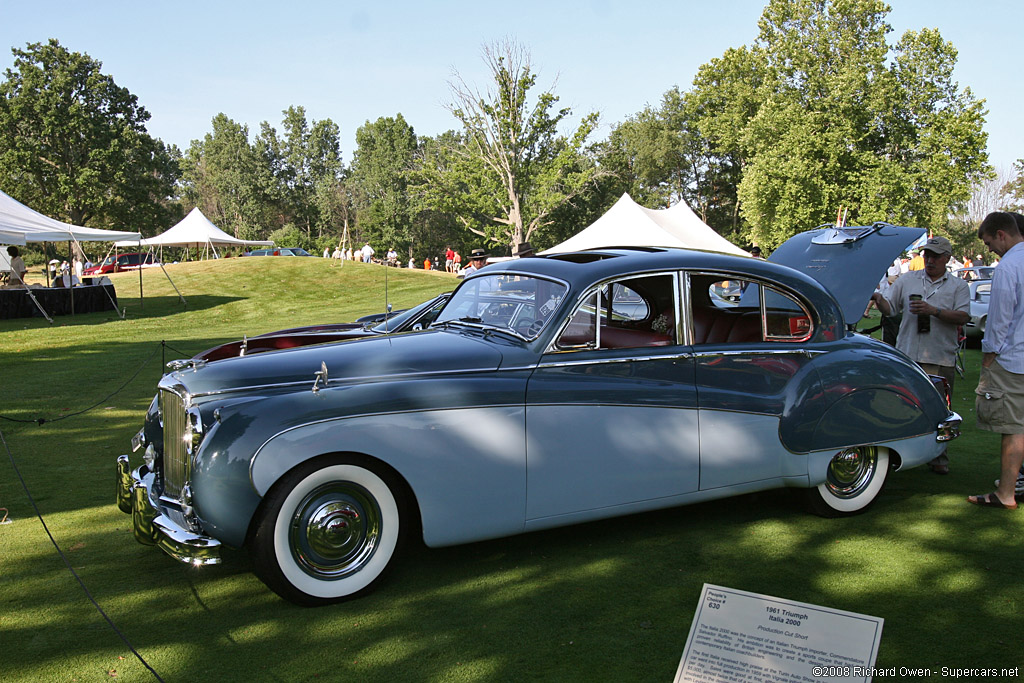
{"x":854,"y":479}
{"x":329,"y":530}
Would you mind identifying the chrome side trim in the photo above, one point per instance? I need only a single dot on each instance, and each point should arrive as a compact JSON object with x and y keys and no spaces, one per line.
{"x":604,"y":361}
{"x":343,"y":381}
{"x":949,"y":428}
{"x":810,"y":353}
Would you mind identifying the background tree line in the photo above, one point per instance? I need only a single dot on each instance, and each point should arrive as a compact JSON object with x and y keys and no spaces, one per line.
{"x":820,"y":116}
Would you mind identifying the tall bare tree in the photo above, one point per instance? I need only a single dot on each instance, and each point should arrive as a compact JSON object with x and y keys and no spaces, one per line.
{"x":512,"y":168}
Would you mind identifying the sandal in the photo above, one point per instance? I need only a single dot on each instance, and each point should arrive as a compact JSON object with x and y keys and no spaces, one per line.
{"x":990,"y":501}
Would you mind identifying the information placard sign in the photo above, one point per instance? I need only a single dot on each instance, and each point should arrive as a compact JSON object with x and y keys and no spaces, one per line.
{"x":741,"y":636}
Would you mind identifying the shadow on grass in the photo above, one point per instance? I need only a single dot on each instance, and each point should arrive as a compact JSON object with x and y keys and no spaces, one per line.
{"x":608,"y":600}
{"x":603,"y":601}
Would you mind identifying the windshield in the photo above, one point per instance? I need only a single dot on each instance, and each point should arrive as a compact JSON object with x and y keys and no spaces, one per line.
{"x":395,"y":323}
{"x":520,"y":304}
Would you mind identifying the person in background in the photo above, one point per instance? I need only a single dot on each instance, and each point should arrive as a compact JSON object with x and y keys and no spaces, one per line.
{"x":456,"y":262}
{"x":999,"y":398}
{"x":18,"y":269}
{"x":934,"y":303}
{"x":327,"y":252}
{"x":449,"y":259}
{"x":524,"y":250}
{"x":477,"y":260}
{"x":755,"y":251}
{"x":367,"y":252}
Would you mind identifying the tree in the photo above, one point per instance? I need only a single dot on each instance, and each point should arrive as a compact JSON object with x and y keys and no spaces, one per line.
{"x":381,"y":165}
{"x":512,"y":168}
{"x":229,"y":181}
{"x":1013,"y":187}
{"x":74,"y":145}
{"x":821,"y":117}
{"x":306,"y":165}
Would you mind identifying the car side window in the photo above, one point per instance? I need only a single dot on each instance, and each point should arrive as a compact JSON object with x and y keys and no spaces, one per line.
{"x":630,"y":313}
{"x":741,"y":310}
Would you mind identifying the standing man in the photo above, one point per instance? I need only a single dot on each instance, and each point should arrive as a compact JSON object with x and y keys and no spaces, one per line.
{"x":934,"y":303}
{"x":999,"y":401}
{"x":367,"y":252}
{"x":18,"y":269}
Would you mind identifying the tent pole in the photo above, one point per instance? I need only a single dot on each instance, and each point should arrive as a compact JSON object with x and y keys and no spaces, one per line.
{"x":71,"y":282}
{"x":172,"y":284}
{"x":142,"y":303}
{"x":38,"y":305}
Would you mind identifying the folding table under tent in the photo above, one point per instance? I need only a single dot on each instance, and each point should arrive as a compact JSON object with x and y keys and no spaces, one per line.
{"x":627,"y":224}
{"x":20,"y":225}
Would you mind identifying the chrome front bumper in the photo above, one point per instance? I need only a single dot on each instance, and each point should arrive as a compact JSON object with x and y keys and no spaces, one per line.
{"x":949,"y":428}
{"x":153,"y":524}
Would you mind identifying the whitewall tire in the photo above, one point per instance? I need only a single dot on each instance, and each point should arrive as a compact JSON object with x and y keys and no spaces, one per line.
{"x":329,"y":531}
{"x":855,"y":477}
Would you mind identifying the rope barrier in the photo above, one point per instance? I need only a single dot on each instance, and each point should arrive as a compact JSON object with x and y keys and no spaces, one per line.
{"x":28,"y":494}
{"x":67,"y":563}
{"x":44,"y":420}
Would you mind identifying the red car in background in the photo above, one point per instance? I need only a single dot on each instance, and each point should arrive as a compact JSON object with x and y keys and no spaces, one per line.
{"x":121,"y":262}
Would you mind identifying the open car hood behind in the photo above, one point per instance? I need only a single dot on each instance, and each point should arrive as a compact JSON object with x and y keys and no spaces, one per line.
{"x":849,"y":261}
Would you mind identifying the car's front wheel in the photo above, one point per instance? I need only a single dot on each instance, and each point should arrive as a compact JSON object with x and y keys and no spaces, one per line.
{"x":329,"y":530}
{"x":854,"y":479}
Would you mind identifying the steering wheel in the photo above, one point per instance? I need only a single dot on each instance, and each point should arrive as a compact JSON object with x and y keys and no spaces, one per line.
{"x":529,"y":328}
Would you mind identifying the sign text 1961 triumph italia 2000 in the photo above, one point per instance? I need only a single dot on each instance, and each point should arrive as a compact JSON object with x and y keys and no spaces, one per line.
{"x":548,"y":391}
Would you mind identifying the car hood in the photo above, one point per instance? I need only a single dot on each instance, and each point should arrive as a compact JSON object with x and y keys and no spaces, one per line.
{"x":430,"y":351}
{"x":848,"y":262}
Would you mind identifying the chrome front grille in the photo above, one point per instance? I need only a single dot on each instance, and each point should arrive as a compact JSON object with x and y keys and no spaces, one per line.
{"x":177,"y":461}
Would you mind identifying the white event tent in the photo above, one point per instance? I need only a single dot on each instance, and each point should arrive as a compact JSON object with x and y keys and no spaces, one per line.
{"x":20,"y":224}
{"x":628,"y":224}
{"x":194,"y":230}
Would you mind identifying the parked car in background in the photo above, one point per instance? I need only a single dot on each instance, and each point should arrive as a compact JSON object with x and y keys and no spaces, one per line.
{"x":279,"y":251}
{"x":980,"y":291}
{"x":548,"y":391}
{"x":121,"y":262}
{"x":975,"y":272}
{"x":411,"y":320}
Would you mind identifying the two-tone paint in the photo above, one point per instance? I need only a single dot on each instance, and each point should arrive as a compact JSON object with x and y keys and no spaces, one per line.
{"x":493,"y":435}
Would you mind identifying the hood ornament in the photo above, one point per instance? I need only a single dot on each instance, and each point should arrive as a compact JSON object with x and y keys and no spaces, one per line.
{"x":194,"y":363}
{"x":320,"y":375}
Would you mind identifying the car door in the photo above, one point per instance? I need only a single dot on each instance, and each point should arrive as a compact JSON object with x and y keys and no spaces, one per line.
{"x":749,"y":364}
{"x":611,"y":409}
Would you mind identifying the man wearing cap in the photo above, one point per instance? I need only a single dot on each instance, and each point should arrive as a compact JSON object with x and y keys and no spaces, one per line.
{"x":928,"y":333}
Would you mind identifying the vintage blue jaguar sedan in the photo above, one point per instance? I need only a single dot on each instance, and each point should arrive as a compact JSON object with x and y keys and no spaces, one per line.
{"x":549,"y":391}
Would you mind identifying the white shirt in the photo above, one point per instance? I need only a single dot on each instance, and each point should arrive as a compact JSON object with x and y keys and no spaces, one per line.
{"x":1004,"y":333}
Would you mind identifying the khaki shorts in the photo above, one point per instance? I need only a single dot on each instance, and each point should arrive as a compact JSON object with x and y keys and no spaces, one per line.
{"x":999,"y":400}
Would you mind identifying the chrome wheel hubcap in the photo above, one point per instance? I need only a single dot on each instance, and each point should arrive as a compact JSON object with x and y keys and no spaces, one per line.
{"x":335,"y":530}
{"x":851,"y":471}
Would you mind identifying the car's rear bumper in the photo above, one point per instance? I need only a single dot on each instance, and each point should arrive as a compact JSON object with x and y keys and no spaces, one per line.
{"x":156,"y":524}
{"x":949,"y":428}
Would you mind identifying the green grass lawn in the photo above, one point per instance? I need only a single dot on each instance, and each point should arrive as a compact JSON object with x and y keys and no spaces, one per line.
{"x":610,"y":600}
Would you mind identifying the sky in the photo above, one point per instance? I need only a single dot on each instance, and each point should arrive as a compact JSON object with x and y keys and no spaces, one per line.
{"x":355,"y":62}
